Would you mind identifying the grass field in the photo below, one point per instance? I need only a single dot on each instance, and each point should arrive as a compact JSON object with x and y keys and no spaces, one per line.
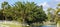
{"x":10,"y":24}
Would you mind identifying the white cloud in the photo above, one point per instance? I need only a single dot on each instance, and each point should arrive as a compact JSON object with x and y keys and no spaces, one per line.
{"x":45,"y":4}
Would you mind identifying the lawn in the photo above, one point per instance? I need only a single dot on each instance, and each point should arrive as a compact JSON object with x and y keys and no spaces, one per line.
{"x":10,"y":24}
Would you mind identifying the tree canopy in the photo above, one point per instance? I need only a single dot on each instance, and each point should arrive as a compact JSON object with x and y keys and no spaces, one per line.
{"x":20,"y":11}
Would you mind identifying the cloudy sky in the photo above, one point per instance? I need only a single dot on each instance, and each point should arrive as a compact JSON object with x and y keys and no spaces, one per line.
{"x":46,"y":3}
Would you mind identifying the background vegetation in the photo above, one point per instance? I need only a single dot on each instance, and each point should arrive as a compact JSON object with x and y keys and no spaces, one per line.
{"x":22,"y":12}
{"x":28,"y":13}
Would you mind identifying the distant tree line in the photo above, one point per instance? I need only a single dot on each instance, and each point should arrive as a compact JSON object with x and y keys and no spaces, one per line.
{"x":53,"y":14}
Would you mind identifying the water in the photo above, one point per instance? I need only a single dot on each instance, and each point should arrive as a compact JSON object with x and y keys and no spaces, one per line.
{"x":45,"y":26}
{"x":48,"y":26}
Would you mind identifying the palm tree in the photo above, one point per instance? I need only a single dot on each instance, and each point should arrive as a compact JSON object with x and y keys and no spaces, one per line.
{"x":4,"y":7}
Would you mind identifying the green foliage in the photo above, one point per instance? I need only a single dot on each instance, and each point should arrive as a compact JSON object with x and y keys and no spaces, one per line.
{"x":30,"y":12}
{"x":59,"y":4}
{"x":54,"y":17}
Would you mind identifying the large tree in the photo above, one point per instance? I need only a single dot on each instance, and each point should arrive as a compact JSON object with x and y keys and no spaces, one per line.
{"x":27,"y":12}
{"x":4,"y":6}
{"x":30,"y":12}
{"x":51,"y":14}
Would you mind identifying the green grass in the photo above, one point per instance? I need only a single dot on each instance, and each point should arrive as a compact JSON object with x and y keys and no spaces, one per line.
{"x":10,"y":25}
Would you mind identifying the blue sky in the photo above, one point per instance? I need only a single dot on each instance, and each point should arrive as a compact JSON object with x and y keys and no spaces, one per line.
{"x":46,"y":3}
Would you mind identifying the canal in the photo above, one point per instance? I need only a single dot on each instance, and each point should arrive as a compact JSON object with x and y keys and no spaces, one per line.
{"x":45,"y":26}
